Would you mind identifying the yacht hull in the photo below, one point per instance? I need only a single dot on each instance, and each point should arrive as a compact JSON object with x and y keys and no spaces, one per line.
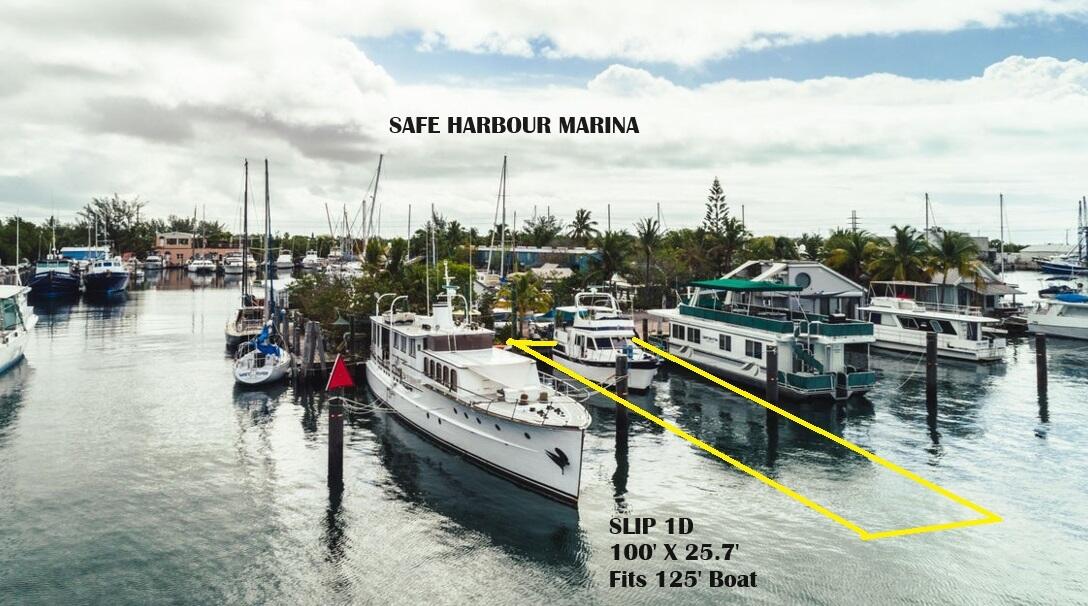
{"x":1068,"y":332}
{"x":54,"y":284}
{"x":105,"y":282}
{"x":982,"y":355}
{"x":640,"y":374}
{"x":547,"y":460}
{"x":246,"y":374}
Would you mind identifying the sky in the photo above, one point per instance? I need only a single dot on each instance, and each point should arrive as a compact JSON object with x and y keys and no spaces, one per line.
{"x":806,"y":110}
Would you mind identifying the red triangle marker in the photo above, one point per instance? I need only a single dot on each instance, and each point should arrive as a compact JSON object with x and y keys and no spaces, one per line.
{"x":340,"y":377}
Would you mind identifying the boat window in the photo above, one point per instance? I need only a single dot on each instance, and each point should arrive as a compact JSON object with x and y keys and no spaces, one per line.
{"x":909,"y":323}
{"x":725,"y":342}
{"x":10,"y":313}
{"x":753,"y":349}
{"x":972,"y":331}
{"x":695,"y":335}
{"x":943,"y":326}
{"x":875,"y":318}
{"x":677,"y":331}
{"x":445,"y":375}
{"x":453,"y":384}
{"x":603,"y":343}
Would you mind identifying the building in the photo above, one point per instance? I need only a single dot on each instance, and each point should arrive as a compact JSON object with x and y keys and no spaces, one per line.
{"x":177,"y":247}
{"x":983,"y":291}
{"x":533,"y":256}
{"x":824,"y":291}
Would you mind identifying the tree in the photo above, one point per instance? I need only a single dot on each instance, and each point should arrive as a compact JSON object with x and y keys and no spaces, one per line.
{"x":583,"y":228}
{"x":398,"y":249}
{"x":953,"y":251}
{"x":526,"y":295}
{"x":648,"y":232}
{"x":813,"y":245}
{"x":612,"y":249}
{"x":541,"y":231}
{"x":848,"y":251}
{"x":902,"y":258}
{"x":716,"y":210}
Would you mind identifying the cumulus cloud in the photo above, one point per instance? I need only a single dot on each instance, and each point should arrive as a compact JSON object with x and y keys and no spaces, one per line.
{"x":166,"y":104}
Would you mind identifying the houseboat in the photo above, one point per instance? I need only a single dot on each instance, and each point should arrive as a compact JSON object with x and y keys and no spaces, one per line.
{"x":1064,"y":316}
{"x":902,"y":316}
{"x":590,"y":335}
{"x":724,"y":327}
{"x":448,"y":381}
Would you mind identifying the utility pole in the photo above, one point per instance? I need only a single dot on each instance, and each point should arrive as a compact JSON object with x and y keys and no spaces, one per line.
{"x":854,"y":221}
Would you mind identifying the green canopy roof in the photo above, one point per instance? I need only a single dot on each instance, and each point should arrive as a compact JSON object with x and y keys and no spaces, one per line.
{"x":735,"y":285}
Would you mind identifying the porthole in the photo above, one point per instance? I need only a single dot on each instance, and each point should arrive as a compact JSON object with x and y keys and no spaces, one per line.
{"x":466,"y":415}
{"x":428,"y":415}
{"x":527,"y":436}
{"x":497,"y":427}
{"x":479,"y":421}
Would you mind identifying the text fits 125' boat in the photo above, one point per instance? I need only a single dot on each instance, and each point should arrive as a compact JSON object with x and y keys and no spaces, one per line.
{"x":106,"y":276}
{"x":1064,"y":316}
{"x":901,"y":324}
{"x":592,"y":333}
{"x":448,"y":381}
{"x":721,"y":329}
{"x":16,"y":322}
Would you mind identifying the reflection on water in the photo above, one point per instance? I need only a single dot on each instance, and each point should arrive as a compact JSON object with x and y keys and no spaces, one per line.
{"x":133,"y":471}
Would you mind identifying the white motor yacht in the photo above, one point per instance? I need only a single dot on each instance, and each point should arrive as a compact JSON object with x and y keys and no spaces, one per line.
{"x":450,"y":382}
{"x":285,"y":261}
{"x":1064,"y":316}
{"x":201,"y":265}
{"x":153,"y":262}
{"x":311,"y":261}
{"x":590,"y":335}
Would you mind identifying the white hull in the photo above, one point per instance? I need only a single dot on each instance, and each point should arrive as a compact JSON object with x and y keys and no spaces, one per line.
{"x":638,"y":379}
{"x":1069,"y":332}
{"x":285,"y":265}
{"x":529,"y":454}
{"x":11,"y":351}
{"x":248,"y":374}
{"x":914,"y":342}
{"x":232,"y":269}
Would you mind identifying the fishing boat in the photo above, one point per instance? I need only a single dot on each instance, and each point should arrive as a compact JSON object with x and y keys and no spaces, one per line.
{"x":285,"y":261}
{"x":16,"y":323}
{"x":311,"y":260}
{"x":201,"y":265}
{"x":264,"y":359}
{"x":1064,"y":316}
{"x":448,"y":381}
{"x":590,"y":335}
{"x":106,"y":276}
{"x":54,"y":276}
{"x":902,"y":318}
{"x":725,"y":328}
{"x":249,"y":317}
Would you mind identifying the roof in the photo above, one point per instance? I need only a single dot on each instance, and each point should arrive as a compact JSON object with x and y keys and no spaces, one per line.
{"x":735,"y":285}
{"x":903,"y":283}
{"x":998,"y":288}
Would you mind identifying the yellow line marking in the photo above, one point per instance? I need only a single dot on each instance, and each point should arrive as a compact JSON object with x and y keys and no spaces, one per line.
{"x":988,"y":517}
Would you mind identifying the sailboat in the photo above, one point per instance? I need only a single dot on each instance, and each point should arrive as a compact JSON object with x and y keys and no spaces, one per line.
{"x":263,"y":360}
{"x":246,"y":321}
{"x":1075,"y":262}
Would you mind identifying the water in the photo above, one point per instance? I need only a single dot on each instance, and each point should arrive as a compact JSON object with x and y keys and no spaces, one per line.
{"x":132,"y":472}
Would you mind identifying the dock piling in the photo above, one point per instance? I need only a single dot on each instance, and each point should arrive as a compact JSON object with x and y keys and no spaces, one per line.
{"x":622,"y":419}
{"x":645,"y":329}
{"x":771,"y":393}
{"x":931,"y":377}
{"x":336,"y":444}
{"x":1040,"y":363}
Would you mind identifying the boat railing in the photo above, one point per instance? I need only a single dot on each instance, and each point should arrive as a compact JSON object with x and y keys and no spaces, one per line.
{"x":573,"y":390}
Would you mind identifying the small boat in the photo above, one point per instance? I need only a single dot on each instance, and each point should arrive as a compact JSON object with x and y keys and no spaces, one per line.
{"x":248,"y":319}
{"x":285,"y":261}
{"x":449,"y":382}
{"x":16,"y":323}
{"x":1060,"y":289}
{"x":54,"y":276}
{"x":1064,"y":316}
{"x":233,"y":265}
{"x":592,"y":333}
{"x":262,"y":360}
{"x":106,"y":276}
{"x":311,"y":261}
{"x":201,"y":265}
{"x":153,"y":262}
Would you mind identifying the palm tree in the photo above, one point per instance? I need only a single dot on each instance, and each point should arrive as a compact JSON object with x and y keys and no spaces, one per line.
{"x":542,"y":230}
{"x":583,"y":228}
{"x":813,"y":243}
{"x":649,"y":235}
{"x":612,"y":249}
{"x":954,"y":251}
{"x":902,"y":258}
{"x":849,"y":251}
{"x":526,"y":296}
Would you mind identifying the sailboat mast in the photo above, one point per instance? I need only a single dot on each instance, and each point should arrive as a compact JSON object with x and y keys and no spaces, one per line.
{"x":267,"y":248}
{"x":245,"y":229}
{"x":373,"y":203}
{"x":502,"y":228}
{"x":1001,"y":238}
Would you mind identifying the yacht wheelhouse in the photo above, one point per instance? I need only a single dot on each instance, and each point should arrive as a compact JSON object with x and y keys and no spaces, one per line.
{"x":448,"y":381}
{"x":590,"y":335}
{"x":901,"y":323}
{"x":722,"y":329}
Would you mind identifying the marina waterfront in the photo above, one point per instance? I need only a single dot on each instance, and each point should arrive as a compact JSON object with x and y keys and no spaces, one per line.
{"x":133,"y":471}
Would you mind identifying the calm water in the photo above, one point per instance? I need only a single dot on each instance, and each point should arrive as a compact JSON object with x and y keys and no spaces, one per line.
{"x":132,"y":472}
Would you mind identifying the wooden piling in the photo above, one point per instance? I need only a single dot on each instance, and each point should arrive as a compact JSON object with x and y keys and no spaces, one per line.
{"x":771,"y":391}
{"x":1040,"y":363}
{"x":645,"y":329}
{"x":321,"y":347}
{"x":336,"y":444}
{"x":622,"y":419}
{"x":931,"y":376}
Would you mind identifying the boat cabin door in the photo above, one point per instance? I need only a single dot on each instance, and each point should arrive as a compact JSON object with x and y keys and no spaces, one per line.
{"x":385,"y":343}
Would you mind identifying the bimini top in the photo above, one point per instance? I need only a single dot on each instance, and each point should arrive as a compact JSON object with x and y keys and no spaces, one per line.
{"x":735,"y":285}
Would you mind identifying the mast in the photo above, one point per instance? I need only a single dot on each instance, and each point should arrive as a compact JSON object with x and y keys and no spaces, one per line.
{"x":427,"y":259}
{"x":502,"y":228}
{"x":408,"y":249}
{"x":495,"y":220}
{"x":18,"y":274}
{"x":373,"y":203}
{"x":245,"y":230}
{"x":927,"y":217}
{"x":1001,"y":238}
{"x":267,"y":248}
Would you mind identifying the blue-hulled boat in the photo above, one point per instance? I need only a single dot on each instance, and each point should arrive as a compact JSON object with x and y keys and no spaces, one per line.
{"x":54,"y":277}
{"x":106,"y":276}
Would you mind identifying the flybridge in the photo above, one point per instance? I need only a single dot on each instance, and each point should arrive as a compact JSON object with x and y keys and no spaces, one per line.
{"x":498,"y":125}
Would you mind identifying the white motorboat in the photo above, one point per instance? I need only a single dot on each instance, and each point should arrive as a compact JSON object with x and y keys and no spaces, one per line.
{"x":17,"y":321}
{"x":590,"y":335}
{"x":153,"y":262}
{"x":311,"y":261}
{"x":901,"y":324}
{"x":201,"y":265}
{"x":450,"y":382}
{"x":233,"y":264}
{"x":1064,"y":316}
{"x":724,"y":329}
{"x":285,"y":261}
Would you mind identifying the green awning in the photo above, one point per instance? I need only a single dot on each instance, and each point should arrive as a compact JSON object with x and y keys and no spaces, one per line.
{"x":734,"y":285}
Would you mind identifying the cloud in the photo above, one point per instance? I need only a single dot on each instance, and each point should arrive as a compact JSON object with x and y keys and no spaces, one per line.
{"x":169,"y":112}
